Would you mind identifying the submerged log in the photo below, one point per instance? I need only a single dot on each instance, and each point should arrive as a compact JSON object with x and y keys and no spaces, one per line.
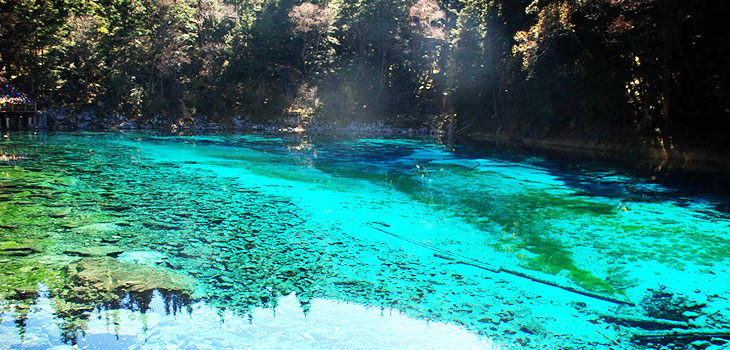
{"x":687,"y":335}
{"x":601,"y":296}
{"x":573,"y":289}
{"x":644,"y":322}
{"x":465,"y":260}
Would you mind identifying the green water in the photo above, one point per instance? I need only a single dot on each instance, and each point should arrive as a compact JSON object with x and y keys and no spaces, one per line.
{"x":360,"y":243}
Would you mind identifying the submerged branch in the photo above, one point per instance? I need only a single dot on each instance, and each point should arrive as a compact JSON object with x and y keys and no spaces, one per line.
{"x":644,"y":322}
{"x":684,"y":334}
{"x":464,"y":260}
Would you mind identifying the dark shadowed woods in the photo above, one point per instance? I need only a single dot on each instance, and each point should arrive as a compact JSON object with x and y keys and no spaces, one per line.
{"x":637,"y":73}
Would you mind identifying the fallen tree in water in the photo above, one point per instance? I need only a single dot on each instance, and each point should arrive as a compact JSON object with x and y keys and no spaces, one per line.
{"x":461,"y":259}
{"x":644,"y":322}
{"x":686,"y":335}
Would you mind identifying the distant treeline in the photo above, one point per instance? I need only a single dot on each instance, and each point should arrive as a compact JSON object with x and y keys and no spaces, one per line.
{"x":651,"y":70}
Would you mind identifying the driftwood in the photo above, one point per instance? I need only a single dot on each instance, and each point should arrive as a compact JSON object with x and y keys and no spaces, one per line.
{"x":465,"y":260}
{"x":688,"y":335}
{"x":644,"y":322}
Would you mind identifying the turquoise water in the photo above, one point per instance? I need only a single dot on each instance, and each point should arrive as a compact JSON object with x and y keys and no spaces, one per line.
{"x":261,"y":241}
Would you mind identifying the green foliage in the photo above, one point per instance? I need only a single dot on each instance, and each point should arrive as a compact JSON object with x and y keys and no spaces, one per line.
{"x":548,"y":68}
{"x":28,"y":41}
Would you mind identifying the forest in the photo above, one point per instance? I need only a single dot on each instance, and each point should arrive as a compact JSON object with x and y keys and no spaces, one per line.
{"x":640,"y":72}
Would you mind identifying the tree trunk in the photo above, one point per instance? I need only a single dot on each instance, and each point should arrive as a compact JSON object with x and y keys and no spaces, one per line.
{"x":382,"y":66}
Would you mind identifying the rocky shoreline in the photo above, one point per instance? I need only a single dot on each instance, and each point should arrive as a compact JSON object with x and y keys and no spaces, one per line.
{"x":631,"y":154}
{"x":62,"y":120}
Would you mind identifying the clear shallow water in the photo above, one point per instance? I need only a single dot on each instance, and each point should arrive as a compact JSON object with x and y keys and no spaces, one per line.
{"x":349,"y":232}
{"x":330,"y":324}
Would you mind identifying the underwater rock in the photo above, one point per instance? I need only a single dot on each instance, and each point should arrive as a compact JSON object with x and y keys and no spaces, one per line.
{"x":97,"y":228}
{"x":57,"y":214}
{"x":67,"y":181}
{"x":700,"y":344}
{"x":489,"y":319}
{"x":27,"y":294}
{"x":664,"y":304}
{"x":95,"y":251}
{"x":147,"y":257}
{"x":720,"y":341}
{"x":160,"y":226}
{"x":17,"y":249}
{"x":526,"y":322}
{"x":105,"y":279}
{"x":111,"y":239}
{"x":117,"y":208}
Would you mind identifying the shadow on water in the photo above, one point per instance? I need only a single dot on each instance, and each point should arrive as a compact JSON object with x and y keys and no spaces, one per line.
{"x":601,"y":175}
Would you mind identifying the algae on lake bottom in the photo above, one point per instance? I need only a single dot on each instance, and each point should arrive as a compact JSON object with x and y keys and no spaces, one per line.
{"x":256,"y":221}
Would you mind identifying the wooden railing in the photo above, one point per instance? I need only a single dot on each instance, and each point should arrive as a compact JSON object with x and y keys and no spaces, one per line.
{"x":19,"y":108}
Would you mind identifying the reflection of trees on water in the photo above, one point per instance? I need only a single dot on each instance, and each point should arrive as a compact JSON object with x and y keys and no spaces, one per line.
{"x":244,"y":249}
{"x":259,"y":284}
{"x":71,"y":319}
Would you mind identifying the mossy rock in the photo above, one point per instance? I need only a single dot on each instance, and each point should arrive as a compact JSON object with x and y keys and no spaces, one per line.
{"x":7,"y":226}
{"x":17,"y":249}
{"x":57,"y":214}
{"x":107,"y":280}
{"x":67,"y":181}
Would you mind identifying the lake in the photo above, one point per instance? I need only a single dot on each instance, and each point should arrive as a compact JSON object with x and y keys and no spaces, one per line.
{"x":151,"y":241}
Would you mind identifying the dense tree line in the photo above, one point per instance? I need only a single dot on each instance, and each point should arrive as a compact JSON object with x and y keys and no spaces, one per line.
{"x":653,"y":70}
